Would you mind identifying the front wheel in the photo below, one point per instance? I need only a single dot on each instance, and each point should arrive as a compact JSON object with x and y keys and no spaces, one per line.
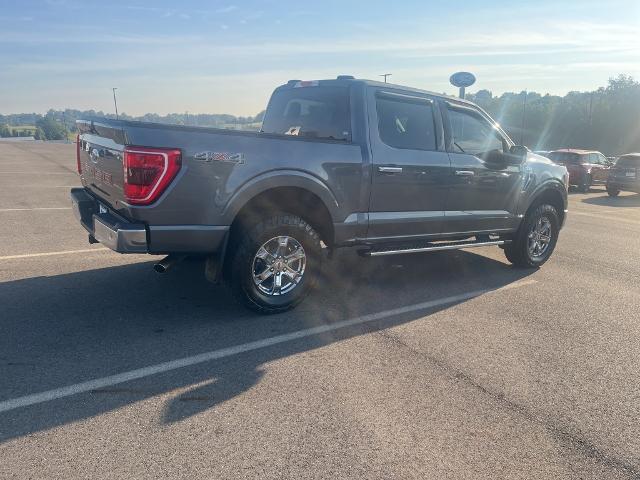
{"x":276,"y":264}
{"x":536,"y":239}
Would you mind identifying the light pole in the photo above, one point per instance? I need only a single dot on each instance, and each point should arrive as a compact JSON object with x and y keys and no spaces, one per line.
{"x":524,"y":115}
{"x":385,"y":75}
{"x":115,"y":103}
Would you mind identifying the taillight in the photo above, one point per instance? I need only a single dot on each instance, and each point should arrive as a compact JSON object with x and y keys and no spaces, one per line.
{"x":78,"y":162}
{"x":148,"y":172}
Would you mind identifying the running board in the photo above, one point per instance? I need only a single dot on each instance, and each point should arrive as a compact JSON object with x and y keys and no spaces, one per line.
{"x":430,"y":247}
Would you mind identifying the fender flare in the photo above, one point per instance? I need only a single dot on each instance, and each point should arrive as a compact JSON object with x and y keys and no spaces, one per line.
{"x":276,"y":179}
{"x":550,"y":184}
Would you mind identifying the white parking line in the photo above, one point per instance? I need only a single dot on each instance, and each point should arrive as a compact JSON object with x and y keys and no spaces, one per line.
{"x":32,"y":209}
{"x":49,"y":254}
{"x":235,"y":350}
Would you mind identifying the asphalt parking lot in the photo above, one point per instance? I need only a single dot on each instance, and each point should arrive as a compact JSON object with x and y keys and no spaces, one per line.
{"x":451,"y":365}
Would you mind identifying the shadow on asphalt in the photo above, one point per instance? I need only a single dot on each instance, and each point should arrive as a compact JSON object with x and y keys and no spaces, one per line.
{"x":594,"y":189}
{"x":61,"y":330}
{"x":607,"y":201}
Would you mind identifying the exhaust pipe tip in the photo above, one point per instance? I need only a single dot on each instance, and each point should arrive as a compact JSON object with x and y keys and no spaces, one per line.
{"x":160,"y":268}
{"x":167,"y":262}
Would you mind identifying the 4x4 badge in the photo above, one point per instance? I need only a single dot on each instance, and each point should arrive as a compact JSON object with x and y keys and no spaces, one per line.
{"x":237,"y":158}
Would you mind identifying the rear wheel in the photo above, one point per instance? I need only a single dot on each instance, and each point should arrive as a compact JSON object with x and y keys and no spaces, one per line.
{"x":612,"y":191}
{"x":276,"y":264}
{"x":536,"y":239}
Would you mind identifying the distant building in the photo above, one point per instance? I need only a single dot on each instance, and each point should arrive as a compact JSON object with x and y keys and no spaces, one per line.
{"x":17,"y":139}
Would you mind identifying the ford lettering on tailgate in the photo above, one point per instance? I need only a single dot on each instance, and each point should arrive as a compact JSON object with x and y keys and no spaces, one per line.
{"x":92,"y":172}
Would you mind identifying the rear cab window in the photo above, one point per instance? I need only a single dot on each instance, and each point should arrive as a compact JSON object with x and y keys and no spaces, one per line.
{"x":628,"y":162}
{"x":313,"y":112}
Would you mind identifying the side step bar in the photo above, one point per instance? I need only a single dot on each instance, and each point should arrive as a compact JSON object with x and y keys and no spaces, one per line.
{"x":430,"y":247}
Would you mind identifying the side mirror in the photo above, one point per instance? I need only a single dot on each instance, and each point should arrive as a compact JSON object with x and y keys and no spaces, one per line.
{"x":518,"y":154}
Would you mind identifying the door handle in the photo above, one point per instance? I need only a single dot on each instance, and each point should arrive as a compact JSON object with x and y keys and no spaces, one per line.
{"x":390,"y":169}
{"x":465,"y":173}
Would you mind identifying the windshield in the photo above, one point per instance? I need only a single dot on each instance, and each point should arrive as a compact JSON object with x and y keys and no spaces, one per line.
{"x":316,"y":112}
{"x":564,"y":157}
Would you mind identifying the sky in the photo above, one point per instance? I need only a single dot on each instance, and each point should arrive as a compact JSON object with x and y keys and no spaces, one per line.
{"x":227,"y":56}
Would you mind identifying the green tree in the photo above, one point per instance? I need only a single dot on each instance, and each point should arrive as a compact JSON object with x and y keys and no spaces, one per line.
{"x":606,"y":119}
{"x":39,"y":135}
{"x":52,"y":129}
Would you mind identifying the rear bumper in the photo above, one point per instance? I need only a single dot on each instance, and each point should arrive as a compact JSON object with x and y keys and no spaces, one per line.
{"x":110,"y":230}
{"x":124,"y":236}
{"x":627,"y":185}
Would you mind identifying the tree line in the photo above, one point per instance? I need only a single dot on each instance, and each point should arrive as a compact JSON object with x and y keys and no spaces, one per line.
{"x":606,"y":119}
{"x":58,"y":124}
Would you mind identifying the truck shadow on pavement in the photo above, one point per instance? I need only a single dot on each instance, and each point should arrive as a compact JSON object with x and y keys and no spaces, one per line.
{"x":70,"y":328}
{"x":621,"y":201}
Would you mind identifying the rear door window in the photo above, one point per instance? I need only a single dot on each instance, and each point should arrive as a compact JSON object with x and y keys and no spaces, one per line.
{"x":313,"y":112}
{"x":407,"y":124}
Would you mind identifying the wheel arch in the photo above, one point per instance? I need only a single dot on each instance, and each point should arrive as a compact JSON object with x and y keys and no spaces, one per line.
{"x":292,"y":192}
{"x":553,"y":193}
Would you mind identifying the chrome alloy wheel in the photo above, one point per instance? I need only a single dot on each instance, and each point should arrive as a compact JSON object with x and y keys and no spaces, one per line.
{"x":278,"y":266}
{"x":539,"y":237}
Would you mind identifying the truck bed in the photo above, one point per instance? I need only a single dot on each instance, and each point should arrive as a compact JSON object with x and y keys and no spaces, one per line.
{"x":219,"y":169}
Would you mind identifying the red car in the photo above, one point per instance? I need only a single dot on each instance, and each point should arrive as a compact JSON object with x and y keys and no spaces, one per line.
{"x":586,"y":167}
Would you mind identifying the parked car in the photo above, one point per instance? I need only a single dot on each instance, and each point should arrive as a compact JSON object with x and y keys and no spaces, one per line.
{"x":543,"y":153}
{"x":624,"y":175}
{"x":385,"y":169}
{"x":586,"y":167}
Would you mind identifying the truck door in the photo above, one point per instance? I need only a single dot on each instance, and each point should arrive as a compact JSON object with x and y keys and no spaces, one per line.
{"x":410,"y":165}
{"x":484,"y":187}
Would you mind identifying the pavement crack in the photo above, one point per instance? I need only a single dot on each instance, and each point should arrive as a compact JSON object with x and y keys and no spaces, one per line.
{"x":570,"y":439}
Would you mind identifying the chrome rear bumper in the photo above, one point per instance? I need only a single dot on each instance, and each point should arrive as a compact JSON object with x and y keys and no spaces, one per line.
{"x":107,"y":227}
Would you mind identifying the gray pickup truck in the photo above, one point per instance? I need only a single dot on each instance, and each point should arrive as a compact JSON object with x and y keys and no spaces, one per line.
{"x":338,"y":163}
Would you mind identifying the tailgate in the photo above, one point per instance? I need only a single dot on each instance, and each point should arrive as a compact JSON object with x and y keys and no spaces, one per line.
{"x":101,"y":153}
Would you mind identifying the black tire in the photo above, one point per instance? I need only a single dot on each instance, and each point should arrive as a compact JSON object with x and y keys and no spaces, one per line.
{"x":241,"y":271}
{"x":612,"y":191}
{"x":518,"y":252}
{"x":586,"y":184}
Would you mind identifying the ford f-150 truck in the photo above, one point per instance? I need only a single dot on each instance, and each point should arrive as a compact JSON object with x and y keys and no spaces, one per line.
{"x":345,"y":162}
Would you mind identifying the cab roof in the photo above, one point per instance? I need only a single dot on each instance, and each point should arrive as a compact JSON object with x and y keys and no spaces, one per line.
{"x":344,"y":80}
